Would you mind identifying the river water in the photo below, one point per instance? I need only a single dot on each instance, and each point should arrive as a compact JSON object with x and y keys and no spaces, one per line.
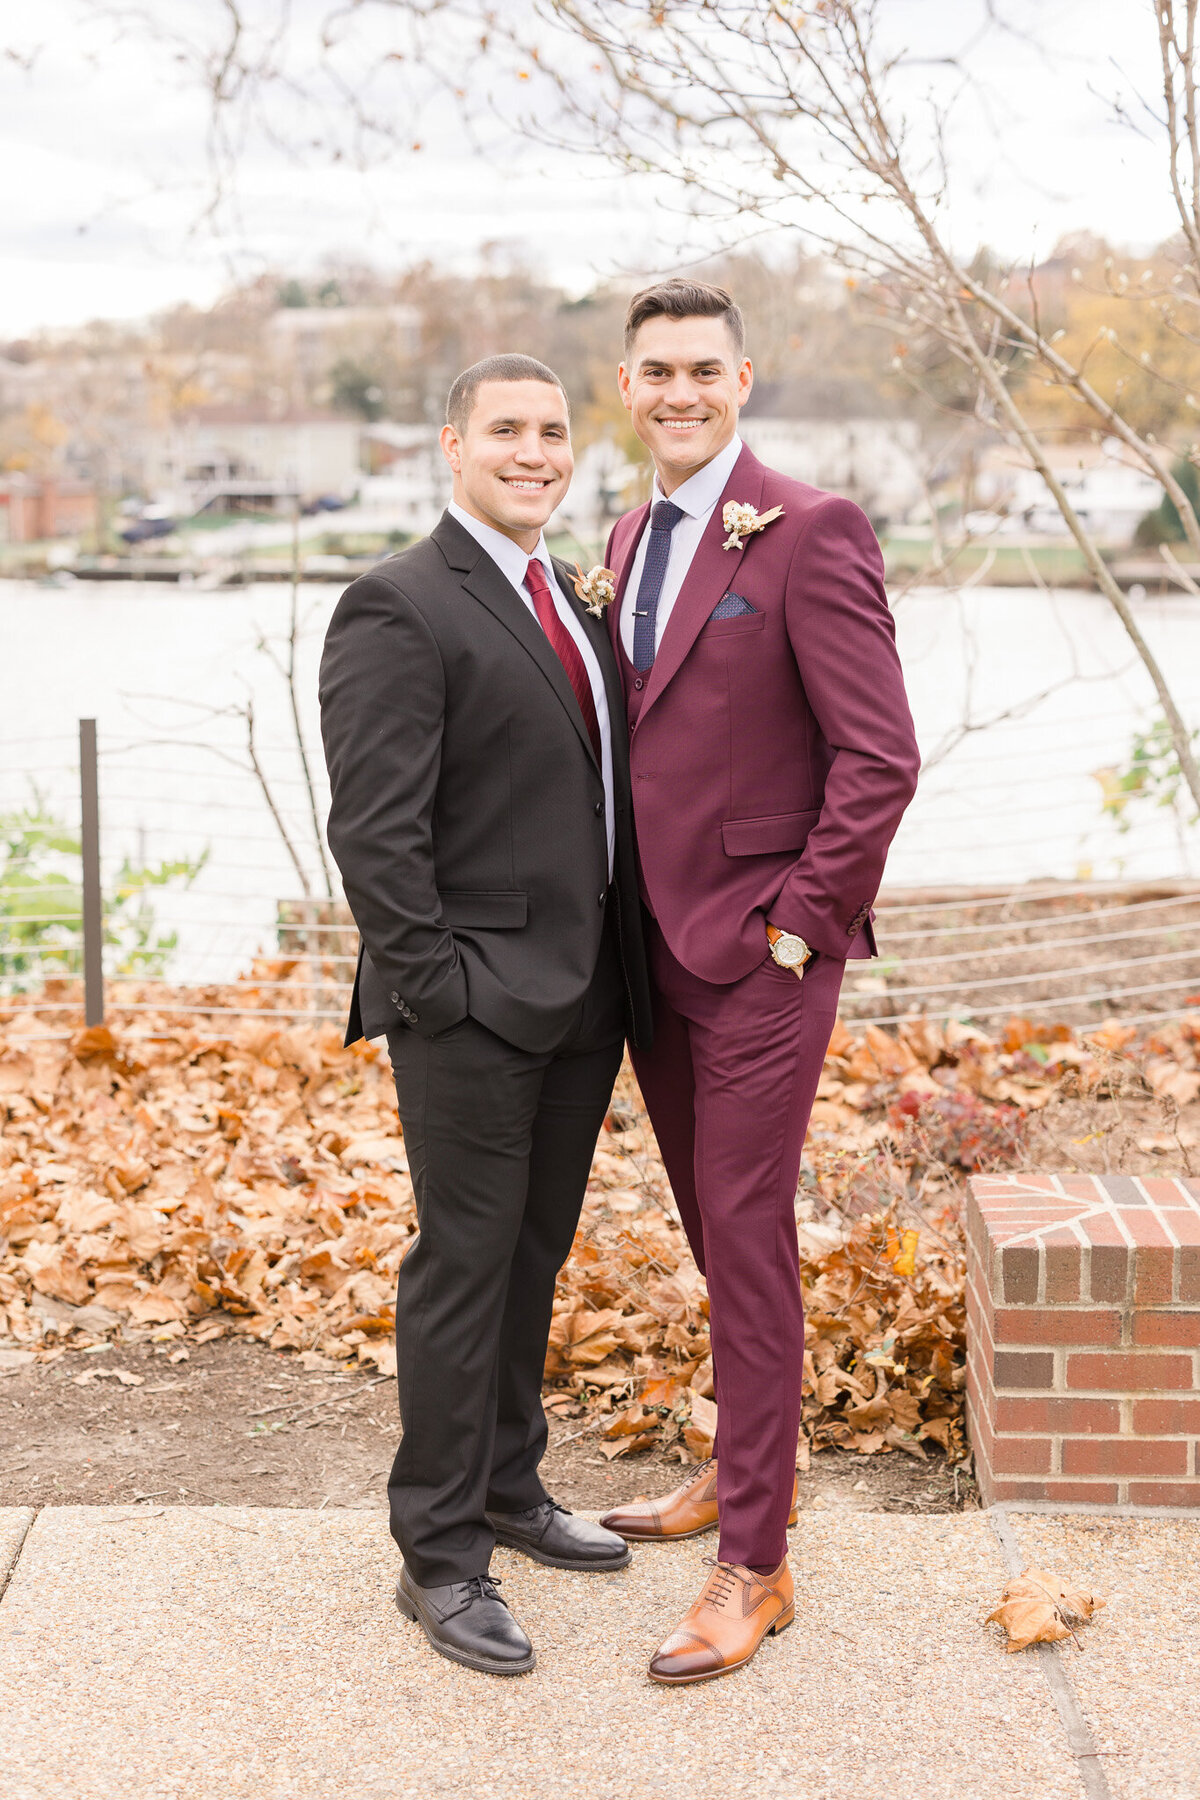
{"x":1019,"y":699}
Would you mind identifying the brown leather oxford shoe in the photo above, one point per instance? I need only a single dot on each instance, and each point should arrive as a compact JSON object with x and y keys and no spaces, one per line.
{"x":736,"y":1610}
{"x":685,"y":1512}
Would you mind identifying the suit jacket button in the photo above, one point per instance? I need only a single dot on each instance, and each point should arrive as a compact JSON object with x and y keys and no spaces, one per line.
{"x":601,"y":899}
{"x":414,"y":1018}
{"x":599,"y":809}
{"x":639,"y":684}
{"x":395,"y":999}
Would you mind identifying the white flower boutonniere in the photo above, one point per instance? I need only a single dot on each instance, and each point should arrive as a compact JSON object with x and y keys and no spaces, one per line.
{"x":739,"y":521}
{"x":597,"y":589}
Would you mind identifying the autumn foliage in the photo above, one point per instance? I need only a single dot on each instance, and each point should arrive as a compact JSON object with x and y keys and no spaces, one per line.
{"x":176,"y":1176}
{"x":1039,"y":1608}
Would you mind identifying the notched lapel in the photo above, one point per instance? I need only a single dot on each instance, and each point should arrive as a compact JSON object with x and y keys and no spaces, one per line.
{"x":713,"y":570}
{"x":484,"y":582}
{"x":624,"y":562}
{"x":599,"y":633}
{"x":598,"y":636}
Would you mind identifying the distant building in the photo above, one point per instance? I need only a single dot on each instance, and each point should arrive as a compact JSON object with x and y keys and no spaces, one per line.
{"x":231,"y":458}
{"x":605,"y":484}
{"x":303,"y":342}
{"x":313,"y":331}
{"x":32,"y":510}
{"x":1109,"y":493}
{"x":408,"y":482}
{"x":874,"y":461}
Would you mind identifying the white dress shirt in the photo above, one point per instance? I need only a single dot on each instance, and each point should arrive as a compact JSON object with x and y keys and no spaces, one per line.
{"x":696,"y":497}
{"x":512,"y":563}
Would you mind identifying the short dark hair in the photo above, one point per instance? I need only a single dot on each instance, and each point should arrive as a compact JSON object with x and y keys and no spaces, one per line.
{"x":680,"y":299}
{"x":460,"y":401}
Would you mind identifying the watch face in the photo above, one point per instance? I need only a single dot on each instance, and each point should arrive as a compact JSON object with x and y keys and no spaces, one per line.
{"x":790,"y":950}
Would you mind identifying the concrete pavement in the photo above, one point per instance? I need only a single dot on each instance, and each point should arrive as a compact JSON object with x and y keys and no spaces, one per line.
{"x":187,"y":1653}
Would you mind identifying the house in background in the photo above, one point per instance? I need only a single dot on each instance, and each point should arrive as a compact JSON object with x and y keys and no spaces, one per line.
{"x":1110,"y":493}
{"x":34,"y":509}
{"x":819,"y":438}
{"x":303,"y":343}
{"x":239,"y":459}
{"x":407,"y":483}
{"x":605,"y":484}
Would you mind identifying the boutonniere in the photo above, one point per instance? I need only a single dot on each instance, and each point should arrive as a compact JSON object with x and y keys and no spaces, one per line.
{"x":739,"y":521}
{"x":597,"y":589}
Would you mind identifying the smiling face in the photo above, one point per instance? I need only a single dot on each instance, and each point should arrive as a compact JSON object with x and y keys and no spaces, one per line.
{"x":684,"y":385}
{"x":512,"y":460}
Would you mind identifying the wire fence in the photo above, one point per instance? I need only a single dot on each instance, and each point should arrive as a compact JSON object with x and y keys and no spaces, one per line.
{"x":152,"y":879}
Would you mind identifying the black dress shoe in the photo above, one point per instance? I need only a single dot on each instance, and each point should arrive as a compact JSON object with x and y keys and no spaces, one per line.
{"x":468,"y":1622}
{"x":552,"y":1535}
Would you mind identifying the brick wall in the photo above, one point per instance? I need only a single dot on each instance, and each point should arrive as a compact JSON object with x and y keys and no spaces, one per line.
{"x":31,"y":510}
{"x":1083,"y":1341}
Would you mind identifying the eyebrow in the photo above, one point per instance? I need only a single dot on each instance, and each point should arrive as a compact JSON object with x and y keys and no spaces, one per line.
{"x":663,"y":362}
{"x":546,"y":425}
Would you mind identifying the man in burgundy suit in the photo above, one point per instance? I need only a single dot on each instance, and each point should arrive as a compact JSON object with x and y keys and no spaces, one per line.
{"x":772,"y":756}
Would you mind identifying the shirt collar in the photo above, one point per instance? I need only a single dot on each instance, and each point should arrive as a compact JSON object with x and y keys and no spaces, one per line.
{"x":701,"y":491}
{"x":509,"y":558}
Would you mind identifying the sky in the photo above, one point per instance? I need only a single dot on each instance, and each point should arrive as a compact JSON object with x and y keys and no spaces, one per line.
{"x":103,"y":135}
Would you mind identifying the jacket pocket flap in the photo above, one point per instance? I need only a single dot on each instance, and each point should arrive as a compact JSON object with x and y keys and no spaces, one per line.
{"x":729,"y":624}
{"x":777,"y":831}
{"x":490,"y":910}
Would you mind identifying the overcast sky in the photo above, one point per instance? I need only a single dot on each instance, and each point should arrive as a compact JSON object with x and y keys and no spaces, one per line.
{"x":102,"y":140}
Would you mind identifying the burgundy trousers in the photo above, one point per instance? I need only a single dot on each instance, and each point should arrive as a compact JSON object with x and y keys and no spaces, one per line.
{"x":729,"y":1084}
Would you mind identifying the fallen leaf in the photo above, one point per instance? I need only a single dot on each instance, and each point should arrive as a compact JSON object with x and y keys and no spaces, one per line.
{"x":1037,"y":1608}
{"x":701,"y":1431}
{"x":198,"y":1176}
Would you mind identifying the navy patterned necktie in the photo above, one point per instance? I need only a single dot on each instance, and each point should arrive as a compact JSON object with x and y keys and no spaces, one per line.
{"x":664,"y":517}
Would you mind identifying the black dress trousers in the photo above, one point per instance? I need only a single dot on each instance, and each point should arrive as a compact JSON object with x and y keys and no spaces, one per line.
{"x":500,"y":1142}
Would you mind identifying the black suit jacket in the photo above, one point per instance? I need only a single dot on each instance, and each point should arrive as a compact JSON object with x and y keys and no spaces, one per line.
{"x":467,"y":813}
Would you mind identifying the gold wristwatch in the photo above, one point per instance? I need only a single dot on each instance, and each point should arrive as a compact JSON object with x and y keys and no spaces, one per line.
{"x":790,"y":952}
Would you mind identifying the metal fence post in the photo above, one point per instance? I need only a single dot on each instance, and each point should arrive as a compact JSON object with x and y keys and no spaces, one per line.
{"x":93,"y":911}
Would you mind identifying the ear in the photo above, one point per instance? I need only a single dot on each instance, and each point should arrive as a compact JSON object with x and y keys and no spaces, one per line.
{"x":623,"y":387}
{"x":451,"y":448}
{"x":745,"y":381}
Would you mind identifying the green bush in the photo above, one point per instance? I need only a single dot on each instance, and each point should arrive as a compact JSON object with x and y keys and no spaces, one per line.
{"x":1163,"y":525}
{"x":41,"y":904}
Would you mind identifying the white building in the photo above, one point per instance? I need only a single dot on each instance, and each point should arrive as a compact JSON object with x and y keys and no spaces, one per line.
{"x":304,"y":332}
{"x":1110,"y":495}
{"x":409,"y":483}
{"x":237,"y":449}
{"x":873,"y":461}
{"x":303,"y":343}
{"x":605,"y":485}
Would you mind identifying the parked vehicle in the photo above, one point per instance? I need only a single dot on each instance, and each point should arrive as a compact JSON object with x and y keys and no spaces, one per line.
{"x":154,"y":523}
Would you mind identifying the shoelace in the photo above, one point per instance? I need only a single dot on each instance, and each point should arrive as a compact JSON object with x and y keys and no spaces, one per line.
{"x":480,"y":1587}
{"x":722,"y":1584}
{"x":532,"y":1512}
{"x":698,"y":1473}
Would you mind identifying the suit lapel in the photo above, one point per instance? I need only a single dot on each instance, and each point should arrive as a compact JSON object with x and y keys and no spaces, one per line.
{"x":623,"y":560}
{"x":712,"y":570}
{"x":636,"y":521}
{"x":597,"y":633}
{"x":623,"y":568}
{"x":484,"y":582}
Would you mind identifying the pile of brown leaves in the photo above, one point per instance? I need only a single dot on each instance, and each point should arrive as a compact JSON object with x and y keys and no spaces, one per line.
{"x":172,"y":1177}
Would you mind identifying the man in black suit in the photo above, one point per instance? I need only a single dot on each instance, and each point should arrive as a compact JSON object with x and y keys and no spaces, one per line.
{"x":474,"y":729}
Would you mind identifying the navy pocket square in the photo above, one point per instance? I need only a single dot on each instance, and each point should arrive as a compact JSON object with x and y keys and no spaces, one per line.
{"x":733,"y":606}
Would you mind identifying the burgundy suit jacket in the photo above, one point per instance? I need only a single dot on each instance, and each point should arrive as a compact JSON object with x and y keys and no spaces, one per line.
{"x":774,"y":754}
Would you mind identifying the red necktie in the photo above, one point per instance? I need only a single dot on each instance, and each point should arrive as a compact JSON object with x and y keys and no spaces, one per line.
{"x":564,"y":646}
